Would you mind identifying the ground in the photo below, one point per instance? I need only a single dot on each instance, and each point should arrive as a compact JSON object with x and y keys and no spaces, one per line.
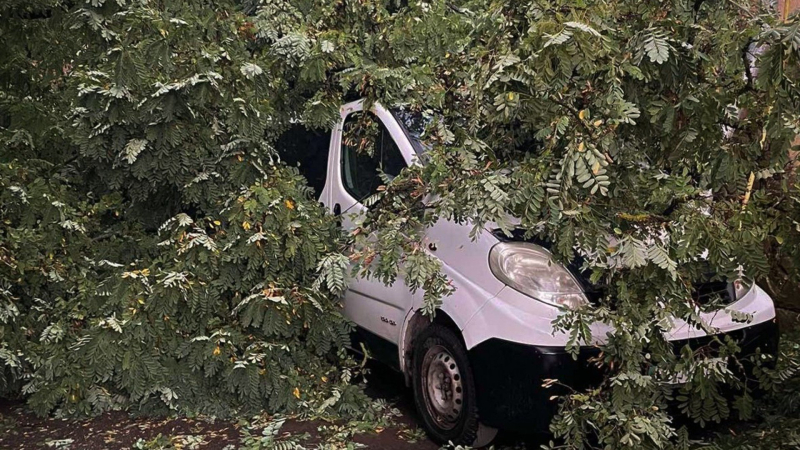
{"x":20,"y":429}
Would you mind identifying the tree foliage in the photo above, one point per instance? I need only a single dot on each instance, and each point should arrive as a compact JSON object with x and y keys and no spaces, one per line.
{"x":652,"y":139}
{"x":636,"y":136}
{"x":154,"y":253}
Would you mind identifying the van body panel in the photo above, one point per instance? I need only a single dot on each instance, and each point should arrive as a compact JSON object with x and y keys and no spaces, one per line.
{"x":466,"y":263}
{"x":756,"y":303}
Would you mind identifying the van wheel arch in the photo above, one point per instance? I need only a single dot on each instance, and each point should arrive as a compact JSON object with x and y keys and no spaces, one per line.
{"x":416,"y":324}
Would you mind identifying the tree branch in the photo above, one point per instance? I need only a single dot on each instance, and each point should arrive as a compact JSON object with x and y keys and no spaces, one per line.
{"x":748,"y":71}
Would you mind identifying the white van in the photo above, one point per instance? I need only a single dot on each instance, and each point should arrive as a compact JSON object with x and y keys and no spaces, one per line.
{"x":480,"y":364}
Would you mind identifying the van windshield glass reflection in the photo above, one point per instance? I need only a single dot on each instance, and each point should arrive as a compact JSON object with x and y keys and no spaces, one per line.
{"x":414,"y":124}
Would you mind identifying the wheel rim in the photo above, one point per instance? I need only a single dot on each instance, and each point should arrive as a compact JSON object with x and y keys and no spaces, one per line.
{"x":442,"y":387}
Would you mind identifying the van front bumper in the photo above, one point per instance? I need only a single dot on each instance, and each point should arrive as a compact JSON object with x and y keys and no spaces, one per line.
{"x":509,"y":375}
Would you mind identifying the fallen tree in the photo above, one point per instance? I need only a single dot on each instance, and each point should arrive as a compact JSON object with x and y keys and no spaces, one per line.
{"x":613,"y":130}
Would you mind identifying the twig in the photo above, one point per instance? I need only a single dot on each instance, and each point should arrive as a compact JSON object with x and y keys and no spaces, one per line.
{"x":749,"y":191}
{"x":577,"y":115}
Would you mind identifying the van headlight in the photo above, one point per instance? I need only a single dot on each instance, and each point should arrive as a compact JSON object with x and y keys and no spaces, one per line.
{"x":529,"y":269}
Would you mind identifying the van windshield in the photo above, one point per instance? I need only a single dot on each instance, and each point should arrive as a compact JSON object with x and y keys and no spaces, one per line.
{"x":413,"y":124}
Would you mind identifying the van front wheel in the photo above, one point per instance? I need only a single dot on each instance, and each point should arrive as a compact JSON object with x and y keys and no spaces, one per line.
{"x":444,"y":390}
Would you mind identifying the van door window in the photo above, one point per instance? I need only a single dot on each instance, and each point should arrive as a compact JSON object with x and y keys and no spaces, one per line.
{"x":367,"y":150}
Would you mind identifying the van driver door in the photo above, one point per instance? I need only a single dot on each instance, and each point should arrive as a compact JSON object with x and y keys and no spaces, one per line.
{"x":366,"y":142}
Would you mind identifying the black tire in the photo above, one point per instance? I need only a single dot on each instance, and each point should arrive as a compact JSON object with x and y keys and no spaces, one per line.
{"x":460,"y":428}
